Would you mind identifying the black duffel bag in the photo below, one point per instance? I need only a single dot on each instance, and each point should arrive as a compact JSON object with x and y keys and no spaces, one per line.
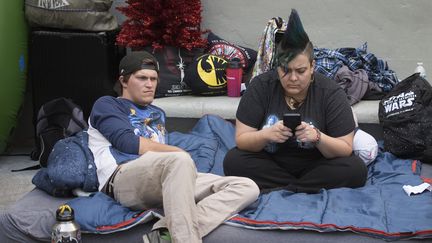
{"x":406,"y":116}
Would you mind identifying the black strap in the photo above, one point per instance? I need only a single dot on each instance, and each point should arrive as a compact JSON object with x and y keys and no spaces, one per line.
{"x":33,"y":167}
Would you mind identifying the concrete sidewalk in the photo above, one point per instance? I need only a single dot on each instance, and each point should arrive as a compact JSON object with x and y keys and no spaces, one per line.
{"x":15,"y":184}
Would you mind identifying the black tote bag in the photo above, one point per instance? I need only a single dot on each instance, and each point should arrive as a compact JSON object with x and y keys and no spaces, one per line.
{"x":406,"y":116}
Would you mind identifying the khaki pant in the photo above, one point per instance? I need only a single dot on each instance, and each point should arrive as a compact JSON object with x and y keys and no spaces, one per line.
{"x":194,"y":203}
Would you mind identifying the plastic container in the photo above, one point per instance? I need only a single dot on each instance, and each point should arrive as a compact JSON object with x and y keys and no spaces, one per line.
{"x":234,"y":74}
{"x":420,"y":69}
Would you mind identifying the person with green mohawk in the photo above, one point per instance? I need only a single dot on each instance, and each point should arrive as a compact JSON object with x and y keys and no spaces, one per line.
{"x":314,"y":155}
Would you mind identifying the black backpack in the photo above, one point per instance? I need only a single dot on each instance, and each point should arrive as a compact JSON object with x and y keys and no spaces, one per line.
{"x":406,"y":116}
{"x":56,"y":119}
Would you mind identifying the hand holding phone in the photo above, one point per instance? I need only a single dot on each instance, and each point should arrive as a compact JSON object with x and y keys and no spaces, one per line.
{"x":292,"y":120}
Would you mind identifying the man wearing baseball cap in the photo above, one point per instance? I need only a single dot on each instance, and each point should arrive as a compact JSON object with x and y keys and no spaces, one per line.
{"x":138,"y":169}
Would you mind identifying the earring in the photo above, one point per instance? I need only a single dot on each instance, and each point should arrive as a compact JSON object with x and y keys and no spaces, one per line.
{"x":312,"y":78}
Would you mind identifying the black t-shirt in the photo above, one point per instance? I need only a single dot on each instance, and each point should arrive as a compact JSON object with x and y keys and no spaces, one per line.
{"x":326,"y":107}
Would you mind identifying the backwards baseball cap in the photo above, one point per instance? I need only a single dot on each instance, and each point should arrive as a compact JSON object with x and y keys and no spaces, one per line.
{"x":134,"y":61}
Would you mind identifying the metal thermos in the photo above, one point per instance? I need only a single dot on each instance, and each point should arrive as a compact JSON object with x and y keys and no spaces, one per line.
{"x":66,"y":229}
{"x":234,"y":74}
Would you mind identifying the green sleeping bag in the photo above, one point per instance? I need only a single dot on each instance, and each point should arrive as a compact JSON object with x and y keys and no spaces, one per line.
{"x":13,"y":65}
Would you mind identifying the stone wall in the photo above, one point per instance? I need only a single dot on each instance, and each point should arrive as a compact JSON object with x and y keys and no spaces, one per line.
{"x":398,"y":31}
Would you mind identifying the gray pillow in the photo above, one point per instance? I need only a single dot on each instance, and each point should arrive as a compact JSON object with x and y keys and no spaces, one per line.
{"x":31,"y":218}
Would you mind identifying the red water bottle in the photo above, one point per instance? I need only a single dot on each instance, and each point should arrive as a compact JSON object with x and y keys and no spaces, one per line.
{"x":234,"y":73}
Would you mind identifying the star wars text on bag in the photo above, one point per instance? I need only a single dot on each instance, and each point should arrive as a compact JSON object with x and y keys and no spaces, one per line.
{"x":405,"y":114}
{"x":399,"y":104}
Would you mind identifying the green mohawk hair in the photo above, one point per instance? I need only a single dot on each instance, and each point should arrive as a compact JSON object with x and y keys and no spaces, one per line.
{"x":294,"y":40}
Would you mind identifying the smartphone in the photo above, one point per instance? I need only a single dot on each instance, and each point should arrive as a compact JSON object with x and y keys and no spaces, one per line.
{"x":291,"y":120}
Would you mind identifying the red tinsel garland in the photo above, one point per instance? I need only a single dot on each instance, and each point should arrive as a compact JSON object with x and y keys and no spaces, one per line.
{"x":162,"y":22}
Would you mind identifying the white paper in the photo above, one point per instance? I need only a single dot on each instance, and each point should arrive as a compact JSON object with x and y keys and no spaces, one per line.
{"x":417,"y":189}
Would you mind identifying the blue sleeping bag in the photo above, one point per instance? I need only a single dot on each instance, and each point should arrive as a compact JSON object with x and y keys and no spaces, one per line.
{"x":380,"y":209}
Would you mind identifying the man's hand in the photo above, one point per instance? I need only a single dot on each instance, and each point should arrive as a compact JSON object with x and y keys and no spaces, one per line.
{"x":149,"y":145}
